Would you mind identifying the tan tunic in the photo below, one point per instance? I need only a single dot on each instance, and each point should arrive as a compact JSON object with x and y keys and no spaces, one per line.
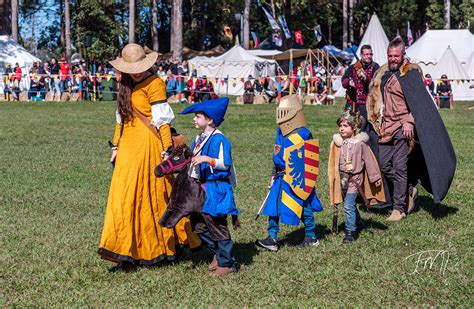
{"x":395,"y":112}
{"x":356,"y":153}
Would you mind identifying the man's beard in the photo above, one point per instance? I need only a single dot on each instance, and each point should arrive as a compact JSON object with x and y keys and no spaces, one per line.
{"x":394,"y":66}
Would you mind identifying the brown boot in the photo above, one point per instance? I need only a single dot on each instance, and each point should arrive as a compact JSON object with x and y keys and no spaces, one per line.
{"x":396,"y":216}
{"x":222,"y":271}
{"x":411,"y":200}
{"x":213,"y":265}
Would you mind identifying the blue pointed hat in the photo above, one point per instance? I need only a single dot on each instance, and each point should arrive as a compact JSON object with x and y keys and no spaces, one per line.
{"x":215,"y":109}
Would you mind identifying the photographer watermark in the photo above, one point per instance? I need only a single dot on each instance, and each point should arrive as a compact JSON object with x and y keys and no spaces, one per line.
{"x":430,"y":260}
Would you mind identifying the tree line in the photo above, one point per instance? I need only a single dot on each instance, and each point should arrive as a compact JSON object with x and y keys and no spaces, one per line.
{"x":97,"y":29}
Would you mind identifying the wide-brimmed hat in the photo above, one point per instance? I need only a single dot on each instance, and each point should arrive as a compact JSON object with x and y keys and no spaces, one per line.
{"x":134,"y":60}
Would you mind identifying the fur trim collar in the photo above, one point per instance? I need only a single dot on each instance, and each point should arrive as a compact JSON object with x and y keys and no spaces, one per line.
{"x":374,"y":103}
{"x":361,"y":137}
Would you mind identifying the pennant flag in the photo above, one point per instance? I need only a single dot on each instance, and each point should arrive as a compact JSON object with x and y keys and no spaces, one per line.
{"x":242,"y":79}
{"x":317,"y":33}
{"x":409,"y":35}
{"x":299,"y":37}
{"x":228,"y":32}
{"x":277,"y":38}
{"x":271,"y":20}
{"x":284,"y":26}
{"x":255,"y":38}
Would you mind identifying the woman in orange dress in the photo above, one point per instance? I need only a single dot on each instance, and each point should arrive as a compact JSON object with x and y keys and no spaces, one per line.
{"x":131,"y":235}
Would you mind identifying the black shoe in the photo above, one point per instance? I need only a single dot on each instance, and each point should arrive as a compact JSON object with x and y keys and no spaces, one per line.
{"x":360,"y":225}
{"x":309,"y":242}
{"x":349,"y":237}
{"x":123,"y":266}
{"x":268,"y":243}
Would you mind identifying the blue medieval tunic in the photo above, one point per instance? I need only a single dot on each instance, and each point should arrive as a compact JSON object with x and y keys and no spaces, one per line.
{"x":218,"y":180}
{"x":282,"y":201}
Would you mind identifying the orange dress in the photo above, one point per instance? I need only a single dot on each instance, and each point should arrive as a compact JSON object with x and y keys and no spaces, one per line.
{"x":137,"y":198}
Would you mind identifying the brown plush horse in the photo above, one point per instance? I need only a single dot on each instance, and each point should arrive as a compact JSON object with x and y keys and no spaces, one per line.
{"x":187,"y":195}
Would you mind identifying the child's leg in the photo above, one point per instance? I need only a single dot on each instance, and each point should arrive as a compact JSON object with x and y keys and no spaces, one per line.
{"x":224,"y":253}
{"x":208,"y":242}
{"x":273,"y":227}
{"x":309,"y":222}
{"x":350,"y":212}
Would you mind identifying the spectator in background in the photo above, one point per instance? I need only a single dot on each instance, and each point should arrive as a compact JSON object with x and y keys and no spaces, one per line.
{"x":206,"y":90}
{"x":320,"y":91}
{"x":7,"y":82}
{"x":183,"y":68}
{"x":64,"y":67}
{"x":17,"y":74}
{"x":249,"y":92}
{"x":161,"y":72}
{"x":171,"y":85}
{"x":444,"y":93}
{"x":429,"y":84}
{"x":34,"y":81}
{"x":46,"y":75}
{"x":55,"y":79}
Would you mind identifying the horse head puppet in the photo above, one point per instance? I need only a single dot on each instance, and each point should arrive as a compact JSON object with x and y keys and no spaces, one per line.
{"x":187,"y":195}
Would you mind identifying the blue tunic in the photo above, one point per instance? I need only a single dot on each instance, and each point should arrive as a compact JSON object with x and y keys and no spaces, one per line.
{"x":219,"y":193}
{"x":274,"y":205}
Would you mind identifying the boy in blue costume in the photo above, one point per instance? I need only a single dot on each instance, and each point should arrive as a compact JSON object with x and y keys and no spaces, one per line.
{"x":292,"y":194}
{"x":212,"y":166}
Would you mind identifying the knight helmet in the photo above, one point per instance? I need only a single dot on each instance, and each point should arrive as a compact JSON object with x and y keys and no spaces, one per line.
{"x":289,"y":114}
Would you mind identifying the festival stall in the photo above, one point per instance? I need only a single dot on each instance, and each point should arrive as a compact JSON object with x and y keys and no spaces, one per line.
{"x":229,"y":71}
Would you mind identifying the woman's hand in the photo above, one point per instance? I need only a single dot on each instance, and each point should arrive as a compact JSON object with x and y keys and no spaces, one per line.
{"x":378,"y":183}
{"x":114,"y":154}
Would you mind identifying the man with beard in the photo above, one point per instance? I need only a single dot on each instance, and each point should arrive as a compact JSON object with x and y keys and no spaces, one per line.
{"x":356,"y":80}
{"x":402,"y":113}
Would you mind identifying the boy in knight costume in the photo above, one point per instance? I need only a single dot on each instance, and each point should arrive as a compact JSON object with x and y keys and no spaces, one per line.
{"x":212,"y":166}
{"x":292,"y":197}
{"x":352,"y":171}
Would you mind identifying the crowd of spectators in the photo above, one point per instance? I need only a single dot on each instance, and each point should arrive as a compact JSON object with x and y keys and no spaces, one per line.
{"x":50,"y":80}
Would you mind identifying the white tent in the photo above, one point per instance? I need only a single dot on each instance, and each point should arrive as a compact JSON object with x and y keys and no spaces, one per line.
{"x":449,"y":64}
{"x":375,"y":36}
{"x":10,"y":53}
{"x":233,"y":66}
{"x":264,"y":53}
{"x":469,"y":67}
{"x":428,"y":49}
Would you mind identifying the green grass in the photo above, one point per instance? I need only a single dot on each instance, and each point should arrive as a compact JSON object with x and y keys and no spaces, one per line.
{"x":54,"y":179}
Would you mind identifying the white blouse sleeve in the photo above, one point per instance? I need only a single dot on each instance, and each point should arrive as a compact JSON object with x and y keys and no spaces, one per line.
{"x":118,"y":119}
{"x":161,"y":113}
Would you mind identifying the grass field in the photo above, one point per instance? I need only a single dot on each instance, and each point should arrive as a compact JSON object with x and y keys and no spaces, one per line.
{"x":54,"y":179}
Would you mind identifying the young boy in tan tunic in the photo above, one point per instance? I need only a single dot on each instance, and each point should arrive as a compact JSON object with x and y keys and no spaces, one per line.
{"x":351,"y":165}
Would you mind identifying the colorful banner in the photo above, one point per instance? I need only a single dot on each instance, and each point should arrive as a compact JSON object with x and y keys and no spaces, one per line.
{"x":271,"y":20}
{"x":317,"y":33}
{"x":255,"y":38}
{"x":299,"y":37}
{"x":284,"y":26}
{"x":409,"y":35}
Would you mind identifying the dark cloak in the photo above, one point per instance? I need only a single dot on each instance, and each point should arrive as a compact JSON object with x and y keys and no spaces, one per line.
{"x":432,"y":163}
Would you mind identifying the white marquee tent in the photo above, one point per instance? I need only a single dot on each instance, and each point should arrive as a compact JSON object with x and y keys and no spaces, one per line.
{"x":429,"y":48}
{"x":375,"y":36}
{"x":234,"y":65}
{"x":449,"y":64}
{"x":10,"y":53}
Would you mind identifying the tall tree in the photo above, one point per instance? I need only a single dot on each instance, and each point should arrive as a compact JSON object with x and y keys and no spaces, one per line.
{"x":154,"y":26}
{"x":131,"y":21}
{"x":15,"y":20}
{"x":67,"y":28}
{"x":344,"y":24}
{"x":177,"y":29}
{"x":447,"y":14}
{"x":351,"y":21}
{"x":246,"y":31}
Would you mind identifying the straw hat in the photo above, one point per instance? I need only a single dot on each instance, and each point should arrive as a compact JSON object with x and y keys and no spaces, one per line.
{"x":134,"y":59}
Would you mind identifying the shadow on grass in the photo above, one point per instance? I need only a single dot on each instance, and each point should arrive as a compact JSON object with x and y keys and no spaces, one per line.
{"x":243,"y":253}
{"x":296,"y":237}
{"x":437,"y":211}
